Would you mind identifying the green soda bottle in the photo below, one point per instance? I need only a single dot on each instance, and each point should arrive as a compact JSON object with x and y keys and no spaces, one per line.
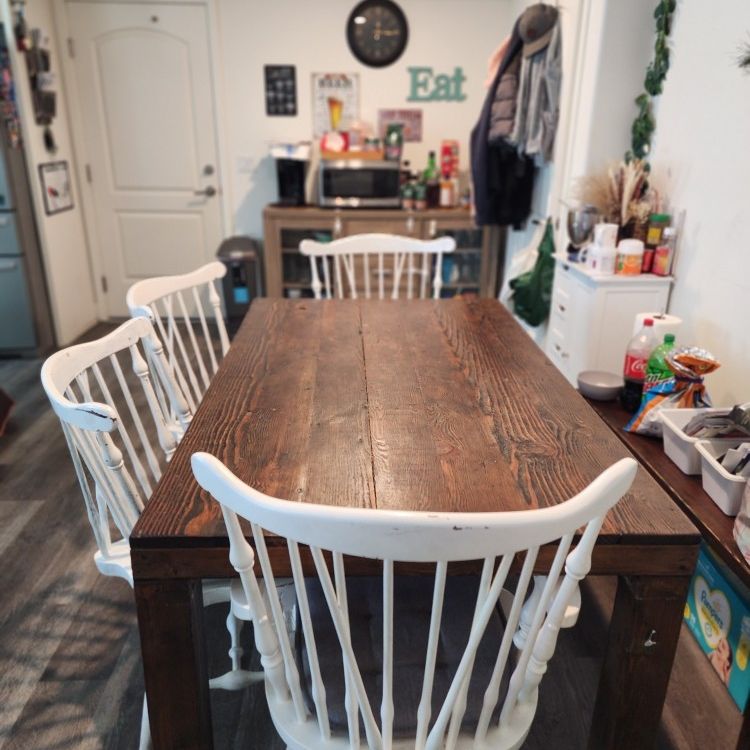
{"x":657,"y":369}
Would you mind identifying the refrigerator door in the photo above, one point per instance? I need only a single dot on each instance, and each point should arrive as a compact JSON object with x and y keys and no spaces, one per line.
{"x":6,"y":200}
{"x":17,"y":329}
{"x":9,"y":242}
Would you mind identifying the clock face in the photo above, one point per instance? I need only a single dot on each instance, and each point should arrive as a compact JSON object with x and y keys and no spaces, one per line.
{"x":377,"y":32}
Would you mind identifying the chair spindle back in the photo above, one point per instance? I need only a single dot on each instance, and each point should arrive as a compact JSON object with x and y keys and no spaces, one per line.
{"x":505,"y":542}
{"x":377,"y":265}
{"x":102,"y":391}
{"x":172,"y":303}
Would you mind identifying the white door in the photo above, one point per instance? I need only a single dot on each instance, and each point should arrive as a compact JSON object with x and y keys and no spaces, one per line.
{"x":143,"y":74}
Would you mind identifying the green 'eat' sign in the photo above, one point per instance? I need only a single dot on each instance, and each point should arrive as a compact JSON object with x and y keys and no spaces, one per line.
{"x":425,"y":86}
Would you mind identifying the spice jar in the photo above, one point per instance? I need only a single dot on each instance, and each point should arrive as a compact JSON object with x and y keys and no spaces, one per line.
{"x":657,"y":223}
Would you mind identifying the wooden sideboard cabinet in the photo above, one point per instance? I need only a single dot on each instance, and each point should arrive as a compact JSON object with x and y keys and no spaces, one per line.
{"x":475,"y":268}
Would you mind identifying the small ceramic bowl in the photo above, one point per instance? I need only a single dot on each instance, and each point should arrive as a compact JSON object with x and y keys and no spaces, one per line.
{"x":599,"y":385}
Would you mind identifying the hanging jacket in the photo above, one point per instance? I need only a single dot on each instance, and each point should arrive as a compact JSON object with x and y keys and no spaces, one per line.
{"x":503,"y":179}
{"x":503,"y":112}
{"x":538,"y":104}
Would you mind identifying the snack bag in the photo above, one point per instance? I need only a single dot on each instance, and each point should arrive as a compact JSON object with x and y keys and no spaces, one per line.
{"x":685,"y":390}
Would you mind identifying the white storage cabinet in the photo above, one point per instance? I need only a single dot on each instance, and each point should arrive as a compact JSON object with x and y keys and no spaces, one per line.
{"x":592,"y":316}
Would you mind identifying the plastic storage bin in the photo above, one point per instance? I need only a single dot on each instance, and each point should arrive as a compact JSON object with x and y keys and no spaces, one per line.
{"x":723,"y":488}
{"x":681,"y":448}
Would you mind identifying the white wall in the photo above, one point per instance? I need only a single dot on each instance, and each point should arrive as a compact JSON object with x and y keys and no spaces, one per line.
{"x":311,"y":35}
{"x":701,"y":159}
{"x":62,"y":237}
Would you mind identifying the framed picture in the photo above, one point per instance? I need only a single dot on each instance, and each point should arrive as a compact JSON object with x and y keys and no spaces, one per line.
{"x":335,"y":101}
{"x":281,"y":90}
{"x":56,"y":188}
{"x":411,"y":119}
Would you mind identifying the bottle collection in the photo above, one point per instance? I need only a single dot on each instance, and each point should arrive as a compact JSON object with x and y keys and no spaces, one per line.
{"x":632,"y":256}
{"x":434,"y":187}
{"x":644,"y":364}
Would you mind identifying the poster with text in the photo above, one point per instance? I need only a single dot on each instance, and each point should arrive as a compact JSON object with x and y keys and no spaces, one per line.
{"x":335,"y":101}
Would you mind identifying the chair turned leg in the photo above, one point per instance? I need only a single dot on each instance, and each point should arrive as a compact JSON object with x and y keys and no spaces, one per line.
{"x":145,"y":740}
{"x":527,"y":612}
{"x":237,"y":678}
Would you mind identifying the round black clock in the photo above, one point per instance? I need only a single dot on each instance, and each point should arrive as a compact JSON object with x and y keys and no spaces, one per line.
{"x":377,"y":32}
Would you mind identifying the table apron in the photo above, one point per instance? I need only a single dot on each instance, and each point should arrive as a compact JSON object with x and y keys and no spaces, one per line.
{"x":608,"y":559}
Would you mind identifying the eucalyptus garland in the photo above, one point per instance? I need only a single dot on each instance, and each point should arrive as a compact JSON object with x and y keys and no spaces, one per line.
{"x":644,"y":123}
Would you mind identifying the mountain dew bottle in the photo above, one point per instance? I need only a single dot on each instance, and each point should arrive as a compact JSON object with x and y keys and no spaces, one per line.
{"x":657,"y":369}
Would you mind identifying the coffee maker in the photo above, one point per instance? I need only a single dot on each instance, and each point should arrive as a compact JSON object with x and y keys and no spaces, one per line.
{"x":292,"y":162}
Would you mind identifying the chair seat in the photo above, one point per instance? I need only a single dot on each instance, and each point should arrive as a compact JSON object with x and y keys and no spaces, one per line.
{"x":412,"y":607}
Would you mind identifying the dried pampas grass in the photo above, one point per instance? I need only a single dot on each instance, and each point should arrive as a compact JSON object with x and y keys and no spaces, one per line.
{"x":620,"y":193}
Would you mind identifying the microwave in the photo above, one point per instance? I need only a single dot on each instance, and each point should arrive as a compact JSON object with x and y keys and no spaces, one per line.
{"x":359,"y":183}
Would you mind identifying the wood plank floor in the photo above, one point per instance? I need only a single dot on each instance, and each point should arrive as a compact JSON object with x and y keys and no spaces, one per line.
{"x":70,"y":674}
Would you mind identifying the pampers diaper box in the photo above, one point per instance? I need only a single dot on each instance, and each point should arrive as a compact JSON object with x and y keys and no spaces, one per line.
{"x":720,"y":621}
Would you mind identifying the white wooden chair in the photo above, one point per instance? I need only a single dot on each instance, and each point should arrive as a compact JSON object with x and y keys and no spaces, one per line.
{"x":377,"y":265}
{"x":119,"y":446}
{"x":498,"y":539}
{"x":163,"y":301}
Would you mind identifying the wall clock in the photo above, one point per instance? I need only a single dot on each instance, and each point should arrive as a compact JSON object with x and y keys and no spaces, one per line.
{"x":377,"y":32}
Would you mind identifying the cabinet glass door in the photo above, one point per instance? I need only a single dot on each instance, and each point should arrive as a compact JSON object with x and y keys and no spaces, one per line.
{"x":462,"y":269}
{"x":296,"y":279}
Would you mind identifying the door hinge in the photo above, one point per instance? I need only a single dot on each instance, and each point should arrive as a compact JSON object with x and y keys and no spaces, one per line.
{"x":105,"y":286}
{"x":89,"y":176}
{"x":71,"y":47}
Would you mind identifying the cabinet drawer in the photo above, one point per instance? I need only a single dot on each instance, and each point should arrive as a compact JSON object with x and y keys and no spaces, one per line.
{"x":565,"y":281}
{"x":561,"y":302}
{"x":409,"y":226}
{"x":558,"y":352}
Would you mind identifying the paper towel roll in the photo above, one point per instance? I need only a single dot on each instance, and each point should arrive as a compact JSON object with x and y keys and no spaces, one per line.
{"x":663,"y":323}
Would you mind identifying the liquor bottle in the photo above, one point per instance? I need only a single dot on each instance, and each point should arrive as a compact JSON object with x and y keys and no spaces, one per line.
{"x":394,"y":141}
{"x":447,"y":190}
{"x":431,"y":178}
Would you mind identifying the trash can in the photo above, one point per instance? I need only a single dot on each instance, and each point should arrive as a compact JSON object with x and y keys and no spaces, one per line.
{"x":243,"y":257}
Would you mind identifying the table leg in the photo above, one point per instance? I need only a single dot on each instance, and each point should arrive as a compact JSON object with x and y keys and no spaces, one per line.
{"x":744,"y":739}
{"x":643,"y":635}
{"x":170,"y":621}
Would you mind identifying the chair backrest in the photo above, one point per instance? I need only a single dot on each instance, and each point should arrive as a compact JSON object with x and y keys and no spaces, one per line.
{"x":163,"y":301}
{"x":377,"y":265}
{"x":103,"y":402}
{"x":498,"y":539}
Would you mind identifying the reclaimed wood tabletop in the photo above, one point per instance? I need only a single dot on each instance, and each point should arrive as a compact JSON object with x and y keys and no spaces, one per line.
{"x":435,"y":405}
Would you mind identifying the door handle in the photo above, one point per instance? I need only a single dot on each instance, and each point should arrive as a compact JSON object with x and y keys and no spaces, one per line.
{"x":209,"y":192}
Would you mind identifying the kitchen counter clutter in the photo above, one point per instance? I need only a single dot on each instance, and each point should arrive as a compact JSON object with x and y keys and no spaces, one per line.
{"x":475,"y":268}
{"x":685,"y":489}
{"x":722,"y":579}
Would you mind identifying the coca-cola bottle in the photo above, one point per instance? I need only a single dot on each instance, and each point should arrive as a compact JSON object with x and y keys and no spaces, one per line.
{"x":634,"y":371}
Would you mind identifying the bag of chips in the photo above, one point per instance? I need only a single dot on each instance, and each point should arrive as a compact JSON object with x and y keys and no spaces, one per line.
{"x":685,"y":389}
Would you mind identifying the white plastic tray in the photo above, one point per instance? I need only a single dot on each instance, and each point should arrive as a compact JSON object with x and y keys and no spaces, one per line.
{"x":681,"y":448}
{"x":723,"y":488}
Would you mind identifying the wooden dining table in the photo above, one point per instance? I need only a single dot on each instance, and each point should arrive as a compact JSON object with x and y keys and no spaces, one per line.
{"x":430,"y":405}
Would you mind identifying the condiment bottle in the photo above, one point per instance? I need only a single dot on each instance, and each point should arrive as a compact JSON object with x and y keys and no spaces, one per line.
{"x":665,"y":253}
